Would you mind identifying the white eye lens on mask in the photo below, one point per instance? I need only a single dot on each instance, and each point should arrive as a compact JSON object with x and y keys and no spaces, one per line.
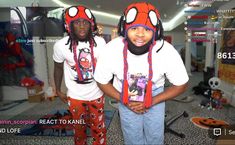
{"x":153,"y":18}
{"x":131,"y":15}
{"x":88,"y":13}
{"x":73,"y":11}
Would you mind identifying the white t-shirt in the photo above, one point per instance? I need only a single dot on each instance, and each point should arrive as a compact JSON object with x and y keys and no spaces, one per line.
{"x":62,"y":54}
{"x":166,"y":61}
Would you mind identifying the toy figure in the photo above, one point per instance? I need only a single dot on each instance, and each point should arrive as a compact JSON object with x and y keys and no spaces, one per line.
{"x":216,"y":94}
{"x":215,"y":101}
{"x":13,"y":50}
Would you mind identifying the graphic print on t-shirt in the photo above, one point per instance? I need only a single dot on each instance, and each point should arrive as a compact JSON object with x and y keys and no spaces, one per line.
{"x":85,"y":66}
{"x":137,"y":83}
{"x":85,"y":63}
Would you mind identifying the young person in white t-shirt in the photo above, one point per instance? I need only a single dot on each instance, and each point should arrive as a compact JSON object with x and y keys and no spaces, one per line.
{"x":139,"y":60}
{"x":75,"y":56}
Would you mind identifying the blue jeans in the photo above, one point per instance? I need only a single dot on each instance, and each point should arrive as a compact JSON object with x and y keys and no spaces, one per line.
{"x":145,"y":128}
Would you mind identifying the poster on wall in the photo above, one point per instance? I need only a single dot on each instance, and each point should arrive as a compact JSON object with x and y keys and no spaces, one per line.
{"x":226,"y":55}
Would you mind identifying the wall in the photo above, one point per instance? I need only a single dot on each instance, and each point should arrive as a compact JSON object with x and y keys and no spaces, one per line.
{"x":178,"y":37}
{"x":40,"y":61}
{"x":106,"y":20}
{"x":5,"y":14}
{"x":13,"y":93}
{"x":50,"y":63}
{"x":108,"y":29}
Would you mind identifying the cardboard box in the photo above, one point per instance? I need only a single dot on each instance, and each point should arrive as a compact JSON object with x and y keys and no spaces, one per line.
{"x":36,"y":98}
{"x":35,"y":94}
{"x":33,"y":90}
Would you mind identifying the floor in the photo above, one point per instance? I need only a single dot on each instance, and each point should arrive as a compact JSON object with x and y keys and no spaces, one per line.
{"x":194,"y":135}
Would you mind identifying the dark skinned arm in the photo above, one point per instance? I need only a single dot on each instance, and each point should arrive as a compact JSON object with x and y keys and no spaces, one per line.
{"x":109,"y":90}
{"x":58,"y":76}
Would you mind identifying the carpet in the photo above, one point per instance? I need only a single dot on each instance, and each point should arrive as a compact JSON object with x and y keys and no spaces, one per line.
{"x":49,"y":125}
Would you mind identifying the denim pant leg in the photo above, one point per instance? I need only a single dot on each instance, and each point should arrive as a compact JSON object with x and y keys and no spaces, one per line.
{"x":145,"y":128}
{"x":154,"y":122}
{"x":132,"y":126}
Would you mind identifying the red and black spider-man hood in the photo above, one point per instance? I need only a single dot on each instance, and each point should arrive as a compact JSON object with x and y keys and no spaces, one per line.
{"x":78,"y":12}
{"x":141,"y":14}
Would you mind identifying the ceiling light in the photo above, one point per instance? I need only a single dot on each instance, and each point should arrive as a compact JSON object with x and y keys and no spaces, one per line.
{"x":93,"y":11}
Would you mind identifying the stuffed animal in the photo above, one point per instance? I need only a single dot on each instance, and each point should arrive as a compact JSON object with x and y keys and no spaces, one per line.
{"x":13,"y":50}
{"x":216,"y":94}
{"x":216,"y":100}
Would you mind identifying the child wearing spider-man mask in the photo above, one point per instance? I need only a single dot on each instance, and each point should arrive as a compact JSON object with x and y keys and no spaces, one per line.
{"x":139,"y":60}
{"x":75,"y":56}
